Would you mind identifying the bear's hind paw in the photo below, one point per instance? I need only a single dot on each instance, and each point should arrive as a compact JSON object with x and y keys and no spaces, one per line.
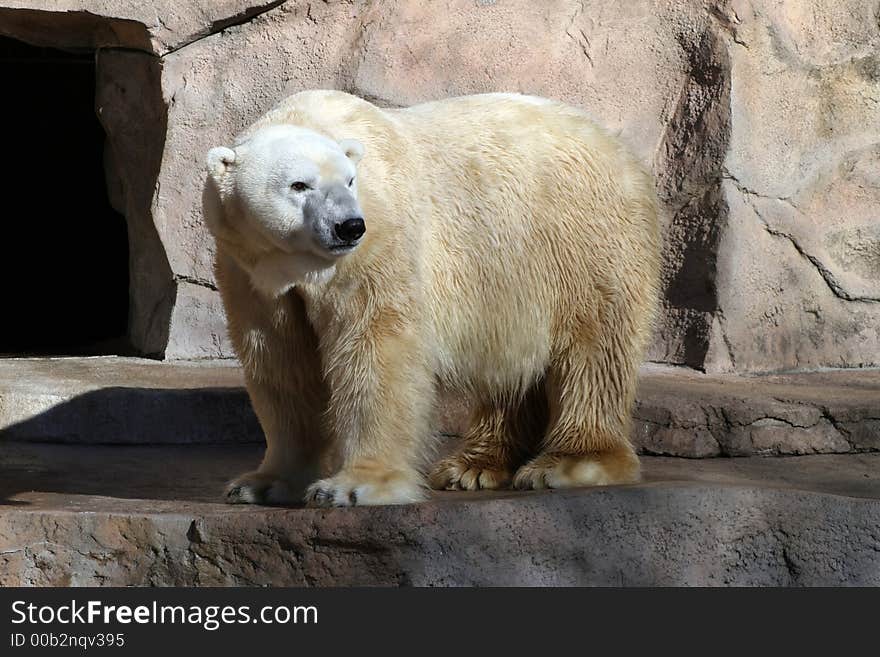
{"x":458,"y":473}
{"x":574,"y":470}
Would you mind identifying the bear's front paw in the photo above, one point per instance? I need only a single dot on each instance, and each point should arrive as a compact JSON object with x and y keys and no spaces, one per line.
{"x":461,"y":473}
{"x":261,"y":488}
{"x":366,"y":486}
{"x":573,"y":470}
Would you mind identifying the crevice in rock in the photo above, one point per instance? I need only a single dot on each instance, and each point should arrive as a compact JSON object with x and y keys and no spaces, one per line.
{"x":726,"y":175}
{"x":193,"y":535}
{"x":781,"y":420}
{"x":790,"y":565}
{"x":225,"y":23}
{"x":688,"y":161}
{"x":728,"y":24}
{"x":722,"y":324}
{"x":843,"y":431}
{"x":195,"y":280}
{"x":580,"y":39}
{"x":827,"y":276}
{"x":379,"y":101}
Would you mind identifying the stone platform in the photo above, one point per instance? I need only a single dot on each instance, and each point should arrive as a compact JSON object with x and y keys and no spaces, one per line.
{"x":679,"y":412}
{"x":111,"y":471}
{"x":124,"y":401}
{"x":125,"y":515}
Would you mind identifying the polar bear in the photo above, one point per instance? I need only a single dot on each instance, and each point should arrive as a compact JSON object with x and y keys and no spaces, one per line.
{"x":498,"y":245}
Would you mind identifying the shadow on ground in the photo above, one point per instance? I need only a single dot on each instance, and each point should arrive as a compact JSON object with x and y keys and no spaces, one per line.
{"x":135,"y":416}
{"x":188,"y":473}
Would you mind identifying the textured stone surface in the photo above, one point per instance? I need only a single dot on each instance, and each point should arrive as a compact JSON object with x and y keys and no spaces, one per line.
{"x":799,"y":264}
{"x":145,"y":516}
{"x":678,"y":412}
{"x":121,"y":400}
{"x":758,"y":118}
{"x":688,"y":414}
{"x":156,"y":27}
{"x":403,"y":53}
{"x":128,"y":100}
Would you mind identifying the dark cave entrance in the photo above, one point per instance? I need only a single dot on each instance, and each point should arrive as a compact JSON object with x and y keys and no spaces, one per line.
{"x":64,"y":255}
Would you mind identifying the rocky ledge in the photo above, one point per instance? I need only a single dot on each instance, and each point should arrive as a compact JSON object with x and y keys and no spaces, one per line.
{"x":679,"y":412}
{"x":150,"y":515}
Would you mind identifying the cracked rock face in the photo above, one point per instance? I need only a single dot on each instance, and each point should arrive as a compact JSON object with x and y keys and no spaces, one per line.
{"x":156,"y":27}
{"x":758,"y":119}
{"x":799,"y":267}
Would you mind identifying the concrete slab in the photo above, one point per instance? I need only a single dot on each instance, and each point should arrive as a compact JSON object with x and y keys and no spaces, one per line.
{"x":102,"y":515}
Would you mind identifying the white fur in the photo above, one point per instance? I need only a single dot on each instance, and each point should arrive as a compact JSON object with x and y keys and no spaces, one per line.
{"x":276,"y":273}
{"x":269,"y":212}
{"x":511,"y":252}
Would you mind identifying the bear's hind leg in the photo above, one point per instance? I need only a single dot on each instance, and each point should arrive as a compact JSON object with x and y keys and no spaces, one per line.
{"x":589,"y":397}
{"x":486,"y":458}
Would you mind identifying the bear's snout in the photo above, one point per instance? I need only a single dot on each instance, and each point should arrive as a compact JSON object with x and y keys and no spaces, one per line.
{"x":350,"y":230}
{"x":334,"y":218}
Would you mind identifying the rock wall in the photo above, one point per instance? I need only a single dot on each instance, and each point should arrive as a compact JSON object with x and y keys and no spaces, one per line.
{"x":759,"y":118}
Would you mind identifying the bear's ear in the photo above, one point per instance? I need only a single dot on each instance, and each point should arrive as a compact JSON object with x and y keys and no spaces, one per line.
{"x":219,"y":160}
{"x":353,"y":149}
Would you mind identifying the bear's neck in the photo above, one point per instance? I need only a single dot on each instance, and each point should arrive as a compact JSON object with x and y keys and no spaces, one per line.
{"x":275,"y":274}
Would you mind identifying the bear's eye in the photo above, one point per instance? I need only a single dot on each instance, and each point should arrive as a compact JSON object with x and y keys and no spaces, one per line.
{"x":351,"y":182}
{"x":299,"y":186}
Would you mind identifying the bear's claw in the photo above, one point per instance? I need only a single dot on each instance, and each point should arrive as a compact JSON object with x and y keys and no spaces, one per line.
{"x":259,"y":488}
{"x":360,"y":488}
{"x":458,"y":473}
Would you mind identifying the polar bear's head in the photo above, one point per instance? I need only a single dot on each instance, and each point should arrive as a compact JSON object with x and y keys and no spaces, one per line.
{"x":284,"y":202}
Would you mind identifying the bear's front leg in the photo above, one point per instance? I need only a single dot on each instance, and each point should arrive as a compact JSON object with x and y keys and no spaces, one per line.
{"x":293,"y":448}
{"x":279,"y":354}
{"x":381,"y":392}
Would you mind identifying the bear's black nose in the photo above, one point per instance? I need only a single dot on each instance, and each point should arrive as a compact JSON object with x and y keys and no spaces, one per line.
{"x":350,"y":230}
